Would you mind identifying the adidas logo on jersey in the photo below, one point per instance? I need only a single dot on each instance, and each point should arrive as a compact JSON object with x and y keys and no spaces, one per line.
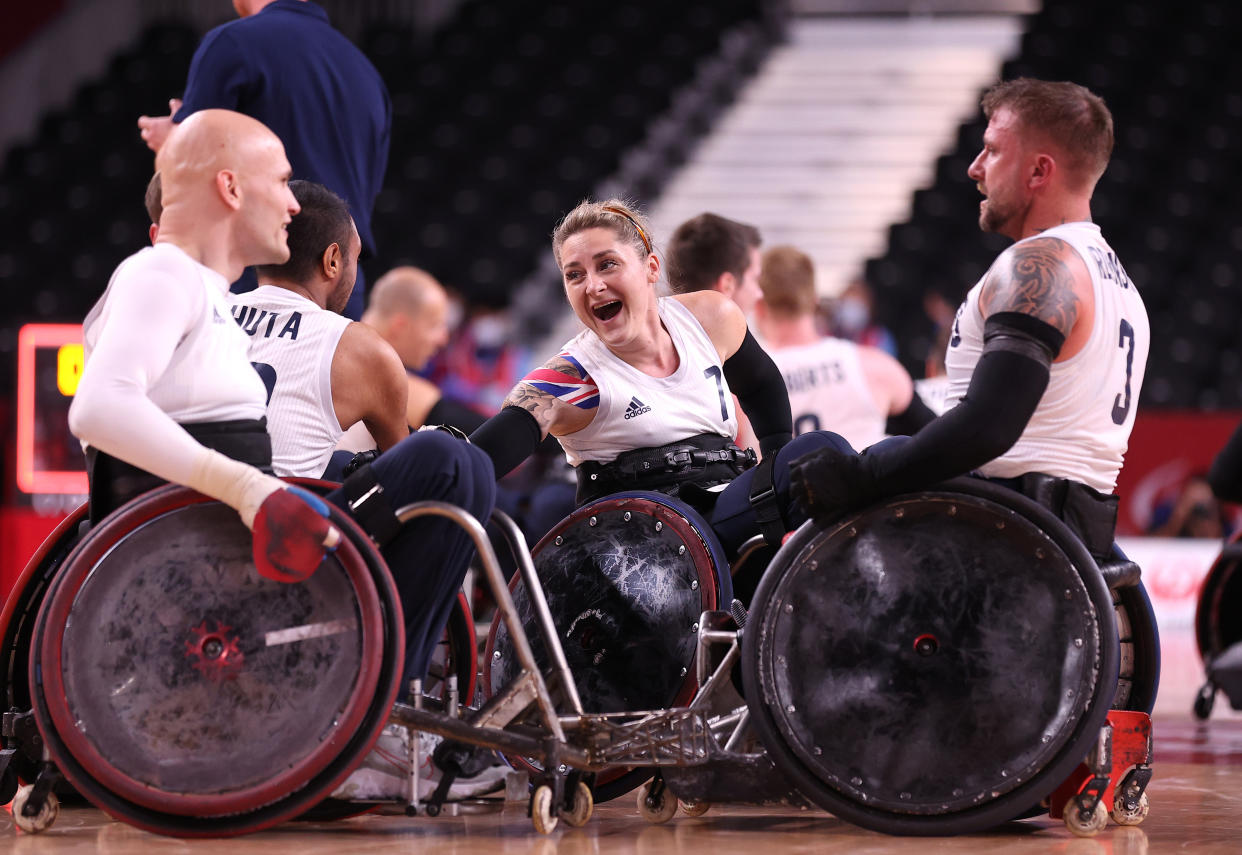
{"x":636,"y":408}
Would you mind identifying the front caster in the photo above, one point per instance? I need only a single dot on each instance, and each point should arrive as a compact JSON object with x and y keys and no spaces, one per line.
{"x":1121,"y":816}
{"x":579,"y":811}
{"x":43,"y":818}
{"x":541,"y":813}
{"x":655,"y":803}
{"x":1089,"y":826}
{"x":695,"y":808}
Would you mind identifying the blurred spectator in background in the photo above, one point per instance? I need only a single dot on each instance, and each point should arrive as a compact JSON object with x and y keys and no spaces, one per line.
{"x":713,"y":253}
{"x":854,"y":390}
{"x":482,"y":362}
{"x":410,"y":310}
{"x":1195,"y":512}
{"x":285,"y":65}
{"x":852,"y":318}
{"x":935,"y":384}
{"x":934,"y":387}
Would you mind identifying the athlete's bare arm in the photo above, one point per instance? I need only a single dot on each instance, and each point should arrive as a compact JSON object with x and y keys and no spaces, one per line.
{"x":720,"y":318}
{"x":1047,"y":279}
{"x":889,"y":383}
{"x":537,"y":394}
{"x":369,"y":385}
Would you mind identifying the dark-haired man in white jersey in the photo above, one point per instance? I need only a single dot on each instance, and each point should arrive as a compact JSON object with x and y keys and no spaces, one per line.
{"x":1048,"y":351}
{"x":323,"y":372}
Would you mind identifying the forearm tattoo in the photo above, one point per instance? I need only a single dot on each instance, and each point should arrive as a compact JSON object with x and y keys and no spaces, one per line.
{"x":1034,"y":280}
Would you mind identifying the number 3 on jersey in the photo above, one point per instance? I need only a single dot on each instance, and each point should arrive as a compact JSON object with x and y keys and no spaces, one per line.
{"x":1125,"y":339}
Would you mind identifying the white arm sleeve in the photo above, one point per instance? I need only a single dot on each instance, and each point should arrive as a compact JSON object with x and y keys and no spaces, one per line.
{"x":148,"y":312}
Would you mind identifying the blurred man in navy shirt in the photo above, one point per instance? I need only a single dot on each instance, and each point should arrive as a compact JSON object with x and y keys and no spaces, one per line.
{"x":284,"y":64}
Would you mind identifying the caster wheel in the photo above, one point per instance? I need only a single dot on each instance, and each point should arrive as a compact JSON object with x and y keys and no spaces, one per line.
{"x":541,"y":809}
{"x":41,"y":821}
{"x":1204,"y":701}
{"x":583,"y":805}
{"x":1088,"y":828}
{"x":1121,"y":816}
{"x":695,"y":808}
{"x":656,"y":809}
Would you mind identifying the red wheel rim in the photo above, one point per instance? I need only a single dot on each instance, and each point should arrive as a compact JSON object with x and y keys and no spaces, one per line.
{"x":59,"y":708}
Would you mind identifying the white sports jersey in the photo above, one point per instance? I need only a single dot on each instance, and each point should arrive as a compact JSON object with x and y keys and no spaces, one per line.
{"x":184,"y":391}
{"x":639,"y":411}
{"x":292,"y":342}
{"x":828,"y":391}
{"x":1081,"y":428}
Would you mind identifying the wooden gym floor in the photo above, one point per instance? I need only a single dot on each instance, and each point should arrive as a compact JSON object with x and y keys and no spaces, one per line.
{"x":1196,"y":807}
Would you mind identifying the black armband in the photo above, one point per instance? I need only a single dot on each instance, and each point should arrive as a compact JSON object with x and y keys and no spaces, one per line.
{"x":449,"y":412}
{"x":916,"y":416}
{"x":508,"y":438}
{"x":760,"y":388}
{"x":1023,"y":334}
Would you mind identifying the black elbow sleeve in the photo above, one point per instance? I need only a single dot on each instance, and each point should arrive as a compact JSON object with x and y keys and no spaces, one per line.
{"x":508,"y":438}
{"x":760,"y":388}
{"x":911,"y":420}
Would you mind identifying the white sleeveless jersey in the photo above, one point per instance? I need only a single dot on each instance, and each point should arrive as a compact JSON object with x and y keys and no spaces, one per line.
{"x":292,"y":342}
{"x":187,"y":393}
{"x":828,"y":391}
{"x":1081,"y":428}
{"x":639,"y":411}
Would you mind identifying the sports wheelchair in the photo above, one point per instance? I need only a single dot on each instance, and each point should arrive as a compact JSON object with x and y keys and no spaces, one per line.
{"x":937,"y":663}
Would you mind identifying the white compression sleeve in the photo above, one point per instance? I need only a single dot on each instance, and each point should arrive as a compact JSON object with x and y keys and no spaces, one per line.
{"x":147,"y":316}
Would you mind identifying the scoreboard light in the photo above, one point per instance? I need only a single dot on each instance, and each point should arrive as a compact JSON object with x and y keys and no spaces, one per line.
{"x":49,"y":365}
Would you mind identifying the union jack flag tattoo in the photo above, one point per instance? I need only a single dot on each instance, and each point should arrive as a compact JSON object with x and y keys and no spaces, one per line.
{"x":581,"y":392}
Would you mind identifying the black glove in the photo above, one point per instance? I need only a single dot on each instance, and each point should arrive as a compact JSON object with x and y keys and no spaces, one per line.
{"x":362,"y":458}
{"x":829,"y":481}
{"x":451,"y":430}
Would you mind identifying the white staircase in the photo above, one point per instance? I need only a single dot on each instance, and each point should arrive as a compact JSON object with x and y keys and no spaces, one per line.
{"x":827,"y":144}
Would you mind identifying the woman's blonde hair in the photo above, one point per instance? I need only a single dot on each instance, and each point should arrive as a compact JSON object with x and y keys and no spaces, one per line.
{"x":622,"y":218}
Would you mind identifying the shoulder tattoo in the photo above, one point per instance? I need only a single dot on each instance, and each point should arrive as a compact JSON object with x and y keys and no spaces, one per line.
{"x":1035,"y":280}
{"x":562,"y":378}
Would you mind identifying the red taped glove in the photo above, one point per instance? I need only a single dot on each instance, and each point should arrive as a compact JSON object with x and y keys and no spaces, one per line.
{"x":292,"y":535}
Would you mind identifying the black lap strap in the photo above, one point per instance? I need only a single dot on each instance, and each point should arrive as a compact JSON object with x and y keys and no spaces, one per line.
{"x":369,"y":505}
{"x":707,"y":460}
{"x":1090,"y":514}
{"x":763,"y":501}
{"x":114,"y":482}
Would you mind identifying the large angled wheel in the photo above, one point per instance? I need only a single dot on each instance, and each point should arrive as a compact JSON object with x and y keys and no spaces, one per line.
{"x":1217,"y":627}
{"x":934,"y":664}
{"x":185,"y":694}
{"x":17,"y":617}
{"x":627,"y":578}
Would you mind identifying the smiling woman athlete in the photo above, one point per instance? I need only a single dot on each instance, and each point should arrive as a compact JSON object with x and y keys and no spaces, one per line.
{"x":641,"y":399}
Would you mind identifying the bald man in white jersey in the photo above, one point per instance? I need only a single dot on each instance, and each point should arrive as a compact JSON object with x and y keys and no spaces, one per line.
{"x":166,"y":379}
{"x":1048,"y":351}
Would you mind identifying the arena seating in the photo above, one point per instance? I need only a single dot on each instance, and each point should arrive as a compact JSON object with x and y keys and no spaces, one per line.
{"x":1173,"y":83}
{"x":506,"y":118}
